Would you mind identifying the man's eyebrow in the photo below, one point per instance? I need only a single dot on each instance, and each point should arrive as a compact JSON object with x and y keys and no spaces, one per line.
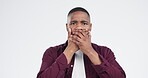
{"x":74,"y":21}
{"x":84,"y":21}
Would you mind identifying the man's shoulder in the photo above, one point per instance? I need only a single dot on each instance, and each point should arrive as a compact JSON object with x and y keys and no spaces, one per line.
{"x":56,"y":48}
{"x":99,"y":46}
{"x":54,"y":51}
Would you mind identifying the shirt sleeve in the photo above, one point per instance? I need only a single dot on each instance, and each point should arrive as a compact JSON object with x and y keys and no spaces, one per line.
{"x":53,"y":67}
{"x":109,"y":68}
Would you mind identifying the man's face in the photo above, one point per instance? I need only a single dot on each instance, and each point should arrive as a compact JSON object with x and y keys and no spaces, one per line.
{"x":79,"y":21}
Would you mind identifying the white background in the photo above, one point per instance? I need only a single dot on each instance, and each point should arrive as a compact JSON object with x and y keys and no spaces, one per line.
{"x":29,"y":27}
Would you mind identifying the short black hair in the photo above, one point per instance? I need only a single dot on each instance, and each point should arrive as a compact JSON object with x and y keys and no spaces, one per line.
{"x":78,"y":9}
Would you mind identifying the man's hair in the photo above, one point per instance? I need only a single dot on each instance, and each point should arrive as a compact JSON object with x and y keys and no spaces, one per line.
{"x":78,"y":9}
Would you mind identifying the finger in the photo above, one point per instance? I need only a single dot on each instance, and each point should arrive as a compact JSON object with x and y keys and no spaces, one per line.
{"x":79,"y":34}
{"x":84,"y":33}
{"x":87,"y":32}
{"x":75,"y":37}
{"x":70,"y":38}
{"x":75,"y":41}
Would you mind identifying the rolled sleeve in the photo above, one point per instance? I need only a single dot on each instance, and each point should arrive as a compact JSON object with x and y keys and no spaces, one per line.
{"x":62,"y":62}
{"x":53,"y":67}
{"x":109,"y":68}
{"x":102,"y":67}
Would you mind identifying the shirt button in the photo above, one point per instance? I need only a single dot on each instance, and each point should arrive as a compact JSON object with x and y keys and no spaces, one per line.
{"x":71,"y":65}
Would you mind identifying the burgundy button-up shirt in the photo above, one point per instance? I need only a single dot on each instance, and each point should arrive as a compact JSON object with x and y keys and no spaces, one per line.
{"x":54,"y":64}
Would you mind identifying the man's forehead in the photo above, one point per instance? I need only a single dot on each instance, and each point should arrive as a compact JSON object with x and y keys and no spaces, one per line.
{"x":79,"y":16}
{"x":79,"y":21}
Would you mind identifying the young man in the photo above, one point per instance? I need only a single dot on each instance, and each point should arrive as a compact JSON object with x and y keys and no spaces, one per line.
{"x":78,"y":57}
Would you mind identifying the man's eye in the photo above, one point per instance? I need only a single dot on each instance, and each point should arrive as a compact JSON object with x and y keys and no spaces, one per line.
{"x":85,"y":23}
{"x":73,"y":23}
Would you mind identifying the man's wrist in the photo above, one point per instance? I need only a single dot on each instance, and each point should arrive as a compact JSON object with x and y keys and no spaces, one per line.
{"x":71,"y":49}
{"x":90,"y":52}
{"x":68,"y":53}
{"x":93,"y":56}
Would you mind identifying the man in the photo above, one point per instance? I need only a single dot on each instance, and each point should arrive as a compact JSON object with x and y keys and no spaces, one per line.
{"x":96,"y":61}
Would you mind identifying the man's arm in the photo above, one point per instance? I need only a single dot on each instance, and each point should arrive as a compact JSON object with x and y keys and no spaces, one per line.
{"x":105,"y":66}
{"x":52,"y":67}
{"x":93,"y":56}
{"x":56,"y":67}
{"x":109,"y":68}
{"x":71,"y":48}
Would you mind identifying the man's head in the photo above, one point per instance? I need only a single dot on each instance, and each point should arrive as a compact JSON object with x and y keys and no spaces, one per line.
{"x":78,"y":19}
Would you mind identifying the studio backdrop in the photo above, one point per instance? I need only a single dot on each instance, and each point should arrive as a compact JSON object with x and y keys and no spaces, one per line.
{"x":29,"y":27}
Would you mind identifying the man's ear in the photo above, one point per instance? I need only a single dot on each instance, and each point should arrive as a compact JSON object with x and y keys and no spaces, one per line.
{"x":67,"y":28}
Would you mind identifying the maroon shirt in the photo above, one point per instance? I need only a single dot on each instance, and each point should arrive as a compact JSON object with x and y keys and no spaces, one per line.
{"x":54,"y":64}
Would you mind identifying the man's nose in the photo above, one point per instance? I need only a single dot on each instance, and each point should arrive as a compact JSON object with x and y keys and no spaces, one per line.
{"x":79,"y":27}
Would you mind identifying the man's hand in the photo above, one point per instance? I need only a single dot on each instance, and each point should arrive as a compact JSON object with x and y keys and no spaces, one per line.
{"x":71,"y":48}
{"x":83,"y":39}
{"x":71,"y":45}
